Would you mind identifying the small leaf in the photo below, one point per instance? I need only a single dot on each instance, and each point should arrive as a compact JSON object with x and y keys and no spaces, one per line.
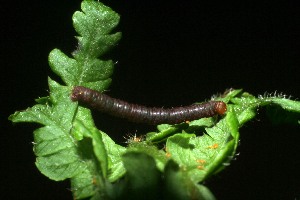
{"x":100,"y":151}
{"x":59,"y":166}
{"x":96,"y":18}
{"x":143,"y":178}
{"x":57,"y":155}
{"x":178,"y":185}
{"x":94,"y":25}
{"x":65,"y":67}
{"x":47,"y":143}
{"x":82,"y":184}
{"x":286,"y":104}
{"x":204,"y":155}
{"x":165,"y":130}
{"x":81,"y":130}
{"x":151,"y":150}
{"x":114,"y":152}
{"x":279,"y":115}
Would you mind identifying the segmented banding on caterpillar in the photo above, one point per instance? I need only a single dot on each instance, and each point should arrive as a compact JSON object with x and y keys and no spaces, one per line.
{"x":141,"y":114}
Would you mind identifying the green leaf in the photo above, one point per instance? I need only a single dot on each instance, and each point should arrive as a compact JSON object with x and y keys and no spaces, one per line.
{"x":114,"y":152}
{"x":286,"y":104}
{"x":62,"y":148}
{"x":165,"y":130}
{"x":205,"y":155}
{"x":179,"y":186}
{"x":94,"y":25}
{"x":56,"y":151}
{"x":106,"y":150}
{"x":203,"y":122}
{"x":151,"y":150}
{"x":100,"y":151}
{"x":90,"y":181}
{"x":91,"y":71}
{"x":65,"y":67}
{"x":229,"y":95}
{"x":61,"y":165}
{"x":81,"y":130}
{"x":47,"y":143}
{"x":142,"y":176}
{"x":83,"y":185}
{"x":281,"y":110}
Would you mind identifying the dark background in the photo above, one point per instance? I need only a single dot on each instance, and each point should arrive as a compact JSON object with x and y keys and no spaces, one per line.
{"x":171,"y":53}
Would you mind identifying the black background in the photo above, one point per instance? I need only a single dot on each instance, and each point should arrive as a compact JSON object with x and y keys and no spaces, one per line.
{"x":171,"y":53}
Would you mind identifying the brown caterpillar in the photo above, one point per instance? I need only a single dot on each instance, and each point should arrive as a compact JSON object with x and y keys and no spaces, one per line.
{"x":141,"y":114}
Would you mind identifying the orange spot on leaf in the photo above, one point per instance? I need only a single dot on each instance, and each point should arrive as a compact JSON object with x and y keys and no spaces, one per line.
{"x":168,"y":155}
{"x":214,"y":146}
{"x":201,"y":161}
{"x":201,"y":167}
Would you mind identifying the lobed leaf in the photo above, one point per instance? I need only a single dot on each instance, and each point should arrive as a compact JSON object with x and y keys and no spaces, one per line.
{"x":94,"y":25}
{"x":203,"y":156}
{"x":69,"y":145}
{"x":56,"y":151}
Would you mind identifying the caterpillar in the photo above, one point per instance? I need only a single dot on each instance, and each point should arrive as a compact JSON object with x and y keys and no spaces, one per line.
{"x":141,"y":114}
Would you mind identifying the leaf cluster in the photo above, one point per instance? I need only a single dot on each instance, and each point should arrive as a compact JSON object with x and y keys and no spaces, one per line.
{"x":170,"y":163}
